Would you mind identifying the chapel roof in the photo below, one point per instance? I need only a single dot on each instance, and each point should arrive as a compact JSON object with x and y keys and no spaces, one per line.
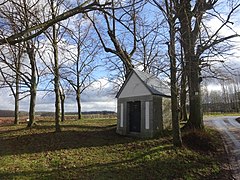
{"x":151,"y":82}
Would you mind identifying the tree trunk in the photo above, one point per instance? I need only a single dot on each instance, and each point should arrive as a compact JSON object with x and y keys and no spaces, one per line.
{"x":188,"y":40}
{"x":57,"y":104}
{"x":177,"y":140}
{"x":183,"y":109}
{"x":32,"y":105}
{"x":16,"y":112}
{"x":62,"y":107}
{"x":183,"y":93}
{"x":56,"y":86}
{"x":33,"y":87}
{"x":79,"y":105}
{"x":128,"y":68}
{"x":78,"y":90}
{"x":56,"y":73}
{"x":195,"y":118}
{"x":57,"y":91}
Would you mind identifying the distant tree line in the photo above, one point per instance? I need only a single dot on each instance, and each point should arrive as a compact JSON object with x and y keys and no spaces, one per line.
{"x":226,"y":99}
{"x":8,"y":113}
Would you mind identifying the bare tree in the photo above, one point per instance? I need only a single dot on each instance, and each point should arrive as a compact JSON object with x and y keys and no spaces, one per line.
{"x":12,"y":52}
{"x":115,"y":24}
{"x":26,"y":19}
{"x":183,"y":87}
{"x":171,"y":20}
{"x":11,"y":79}
{"x":191,"y":18}
{"x":40,"y":27}
{"x":18,"y":16}
{"x":149,"y":54}
{"x":81,"y":65}
{"x":54,"y":7}
{"x":62,"y":98}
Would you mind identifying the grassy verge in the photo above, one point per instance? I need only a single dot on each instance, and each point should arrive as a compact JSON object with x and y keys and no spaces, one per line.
{"x":90,"y":149}
{"x":220,"y":114}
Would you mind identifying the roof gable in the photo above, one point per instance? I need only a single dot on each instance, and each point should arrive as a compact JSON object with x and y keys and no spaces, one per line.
{"x":145,"y":84}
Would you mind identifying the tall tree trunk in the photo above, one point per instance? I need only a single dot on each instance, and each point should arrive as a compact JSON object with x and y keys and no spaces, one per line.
{"x":16,"y":111}
{"x":78,"y":98}
{"x":78,"y":88}
{"x":32,"y":58}
{"x":56,"y":73}
{"x":56,"y":88}
{"x":62,"y":106}
{"x":33,"y":87}
{"x":195,"y":117}
{"x":16,"y":96}
{"x":183,"y":92}
{"x":188,"y":37}
{"x":183,"y":97}
{"x":32,"y":105}
{"x":177,"y":140}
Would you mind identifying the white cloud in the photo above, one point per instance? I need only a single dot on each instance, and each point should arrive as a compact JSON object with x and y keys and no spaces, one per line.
{"x":7,"y":101}
{"x":100,"y":106}
{"x":95,"y":98}
{"x":231,"y":54}
{"x":214,"y":87}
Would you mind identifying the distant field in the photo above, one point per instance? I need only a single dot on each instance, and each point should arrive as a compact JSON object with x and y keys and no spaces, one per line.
{"x":23,"y":118}
{"x":68,"y":115}
{"x":90,"y":149}
{"x":10,"y":120}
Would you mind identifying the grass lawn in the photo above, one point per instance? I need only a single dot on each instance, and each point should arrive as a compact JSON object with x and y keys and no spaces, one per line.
{"x":212,"y":114}
{"x":90,"y":149}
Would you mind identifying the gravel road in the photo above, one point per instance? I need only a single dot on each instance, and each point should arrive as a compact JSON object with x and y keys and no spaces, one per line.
{"x":230,"y":129}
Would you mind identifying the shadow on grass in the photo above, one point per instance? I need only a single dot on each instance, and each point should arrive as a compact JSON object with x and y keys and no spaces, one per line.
{"x":121,"y":168}
{"x":9,"y":127}
{"x":151,"y":160}
{"x":12,"y":130}
{"x":40,"y":141}
{"x":132,"y":168}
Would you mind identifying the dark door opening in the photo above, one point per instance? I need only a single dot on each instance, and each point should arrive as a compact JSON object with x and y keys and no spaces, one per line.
{"x":134,"y":114}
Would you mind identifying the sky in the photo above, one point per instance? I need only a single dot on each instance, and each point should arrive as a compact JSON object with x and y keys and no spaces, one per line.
{"x":93,"y":99}
{"x":96,"y":97}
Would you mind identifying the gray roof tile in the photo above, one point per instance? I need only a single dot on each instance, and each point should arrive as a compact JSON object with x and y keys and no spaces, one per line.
{"x":154,"y":85}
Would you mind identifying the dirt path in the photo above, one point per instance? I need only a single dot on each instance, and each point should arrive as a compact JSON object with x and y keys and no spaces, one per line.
{"x":230,"y":130}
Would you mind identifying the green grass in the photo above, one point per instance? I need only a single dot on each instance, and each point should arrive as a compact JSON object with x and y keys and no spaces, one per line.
{"x":220,"y":114}
{"x":90,"y":149}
